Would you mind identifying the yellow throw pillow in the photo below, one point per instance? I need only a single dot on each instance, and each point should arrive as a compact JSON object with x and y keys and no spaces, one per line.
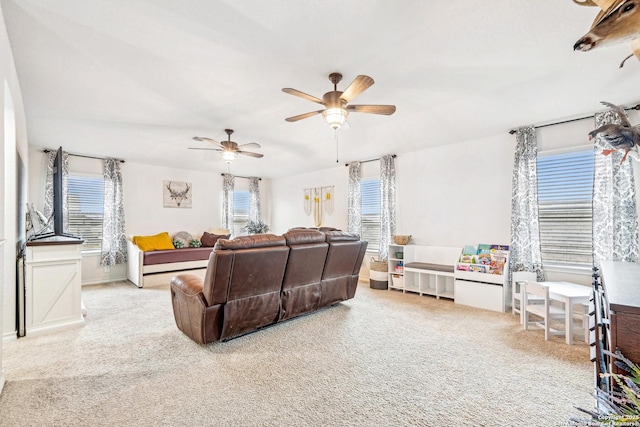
{"x":158,"y":242}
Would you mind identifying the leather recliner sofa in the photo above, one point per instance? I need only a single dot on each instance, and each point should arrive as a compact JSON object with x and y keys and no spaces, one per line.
{"x":256,"y":281}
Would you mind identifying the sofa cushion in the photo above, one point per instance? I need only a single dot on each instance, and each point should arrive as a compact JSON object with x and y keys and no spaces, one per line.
{"x":176,"y":255}
{"x":210,"y":239}
{"x":341,"y":236}
{"x":254,"y":241}
{"x":429,"y":266}
{"x":157,"y":242}
{"x":298,"y":236}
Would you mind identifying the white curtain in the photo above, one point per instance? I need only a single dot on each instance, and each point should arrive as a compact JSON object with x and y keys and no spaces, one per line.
{"x":254,"y":199}
{"x":114,"y":239}
{"x":387,"y":204}
{"x":48,"y":192}
{"x":354,"y":216}
{"x":615,"y":223}
{"x":228,"y":183}
{"x":525,"y":254}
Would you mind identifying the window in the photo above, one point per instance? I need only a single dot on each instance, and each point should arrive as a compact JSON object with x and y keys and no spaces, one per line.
{"x":565,"y":185}
{"x":85,"y":197}
{"x":240,"y":212}
{"x":370,"y":211}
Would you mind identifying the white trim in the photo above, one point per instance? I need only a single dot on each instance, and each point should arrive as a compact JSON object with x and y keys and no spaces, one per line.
{"x":563,"y":150}
{"x":105,"y":280}
{"x":10,"y":336}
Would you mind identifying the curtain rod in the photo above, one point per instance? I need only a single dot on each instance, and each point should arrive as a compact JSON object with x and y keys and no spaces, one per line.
{"x":46,"y":150}
{"x":371,"y":160}
{"x":238,"y":176}
{"x":512,"y":131}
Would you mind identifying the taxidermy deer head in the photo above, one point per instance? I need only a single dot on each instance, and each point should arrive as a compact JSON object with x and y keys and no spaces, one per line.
{"x":178,"y":196}
{"x":617,"y":22}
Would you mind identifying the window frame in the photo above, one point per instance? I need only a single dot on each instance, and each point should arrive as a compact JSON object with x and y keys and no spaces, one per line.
{"x":86,"y":250}
{"x":557,"y":266}
{"x":375,"y":247}
{"x":235,"y":222}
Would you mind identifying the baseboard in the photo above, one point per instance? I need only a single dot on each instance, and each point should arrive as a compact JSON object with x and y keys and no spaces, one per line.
{"x":10,"y":336}
{"x":101,"y":281}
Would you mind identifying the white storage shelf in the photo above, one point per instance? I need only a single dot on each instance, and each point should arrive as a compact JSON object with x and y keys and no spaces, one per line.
{"x":424,"y":282}
{"x":481,"y":290}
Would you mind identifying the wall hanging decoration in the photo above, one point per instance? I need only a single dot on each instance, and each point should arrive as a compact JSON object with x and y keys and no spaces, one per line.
{"x":617,"y":22}
{"x":317,"y":200}
{"x":177,"y":194}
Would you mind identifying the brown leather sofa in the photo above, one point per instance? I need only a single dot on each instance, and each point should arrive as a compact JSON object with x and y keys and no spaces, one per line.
{"x":255,"y":281}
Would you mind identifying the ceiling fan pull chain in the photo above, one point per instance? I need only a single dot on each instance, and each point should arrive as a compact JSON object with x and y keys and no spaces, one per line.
{"x":336,"y":132}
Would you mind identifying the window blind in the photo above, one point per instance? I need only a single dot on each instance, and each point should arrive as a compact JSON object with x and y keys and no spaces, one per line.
{"x":565,"y":185}
{"x":370,"y":211}
{"x":85,"y":200}
{"x":241,"y":201}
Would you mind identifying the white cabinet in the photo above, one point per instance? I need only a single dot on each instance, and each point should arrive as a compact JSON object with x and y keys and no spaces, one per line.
{"x":53,"y":284}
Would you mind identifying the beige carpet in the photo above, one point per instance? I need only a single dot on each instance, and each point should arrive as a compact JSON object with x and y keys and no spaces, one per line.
{"x":382,"y":359}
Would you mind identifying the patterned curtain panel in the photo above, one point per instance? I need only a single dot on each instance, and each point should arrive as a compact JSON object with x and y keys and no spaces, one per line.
{"x":254,"y":201}
{"x":228,"y":183}
{"x":615,"y":223}
{"x":48,"y":191}
{"x":525,"y":229}
{"x":354,"y":216}
{"x":114,"y":239}
{"x":387,"y":204}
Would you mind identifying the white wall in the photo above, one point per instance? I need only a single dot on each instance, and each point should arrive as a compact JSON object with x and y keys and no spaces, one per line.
{"x":288,"y":199}
{"x":12,"y":147}
{"x":446,"y":196}
{"x":143,"y":186}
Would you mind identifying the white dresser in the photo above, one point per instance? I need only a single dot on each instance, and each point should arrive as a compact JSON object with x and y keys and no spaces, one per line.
{"x":53,"y":280}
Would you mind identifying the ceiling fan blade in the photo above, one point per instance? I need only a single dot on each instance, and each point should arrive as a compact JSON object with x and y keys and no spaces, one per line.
{"x":202,"y":138}
{"x":249,"y":153}
{"x":205,"y":149}
{"x":306,"y":96}
{"x":303,"y":116}
{"x":250,"y":145}
{"x":357,"y":86}
{"x":373,"y":109}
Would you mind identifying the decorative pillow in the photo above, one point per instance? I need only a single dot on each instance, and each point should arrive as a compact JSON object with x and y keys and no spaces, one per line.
{"x":158,"y":242}
{"x":184,"y":237}
{"x":209,"y":240}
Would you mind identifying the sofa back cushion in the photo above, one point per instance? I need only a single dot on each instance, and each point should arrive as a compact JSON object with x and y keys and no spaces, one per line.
{"x":345,"y":250}
{"x":210,"y":239}
{"x":253,"y":292}
{"x":307,"y":255}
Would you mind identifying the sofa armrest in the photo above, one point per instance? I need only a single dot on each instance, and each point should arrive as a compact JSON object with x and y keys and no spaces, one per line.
{"x":188,"y":284}
{"x":134,"y":263}
{"x":190,"y":309}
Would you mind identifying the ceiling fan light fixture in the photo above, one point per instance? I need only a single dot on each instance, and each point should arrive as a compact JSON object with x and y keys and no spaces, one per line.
{"x":336,"y":117}
{"x":228,"y":156}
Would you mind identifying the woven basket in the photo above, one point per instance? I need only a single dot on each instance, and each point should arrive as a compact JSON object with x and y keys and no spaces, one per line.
{"x":401,"y":239}
{"x":378,"y":266}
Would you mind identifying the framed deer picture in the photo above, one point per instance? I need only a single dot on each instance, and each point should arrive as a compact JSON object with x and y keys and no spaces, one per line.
{"x":177,"y":194}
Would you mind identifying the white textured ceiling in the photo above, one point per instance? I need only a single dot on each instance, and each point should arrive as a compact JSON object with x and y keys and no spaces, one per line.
{"x":136,"y":79}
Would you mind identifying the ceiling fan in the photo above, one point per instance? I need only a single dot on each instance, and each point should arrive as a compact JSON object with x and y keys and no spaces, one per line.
{"x":337,"y":110}
{"x":229,"y":150}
